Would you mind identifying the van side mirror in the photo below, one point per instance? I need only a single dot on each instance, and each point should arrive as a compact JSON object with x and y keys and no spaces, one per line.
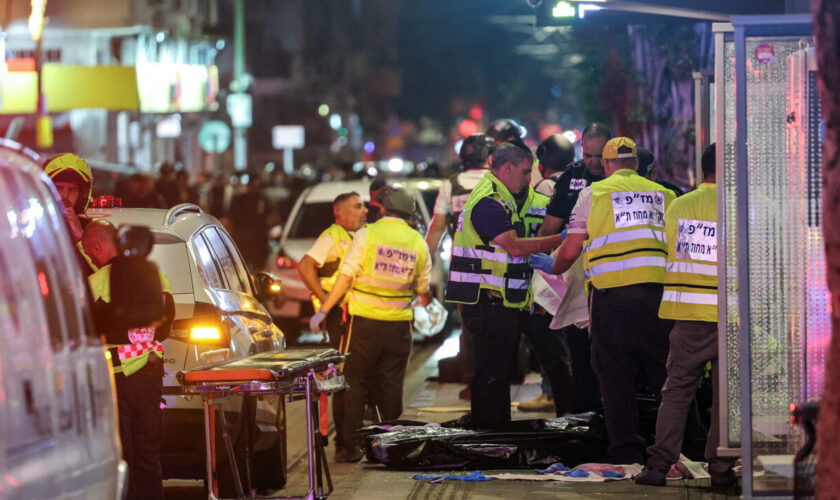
{"x":268,"y":286}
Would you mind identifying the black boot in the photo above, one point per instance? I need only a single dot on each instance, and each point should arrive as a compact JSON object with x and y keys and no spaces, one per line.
{"x":654,"y":473}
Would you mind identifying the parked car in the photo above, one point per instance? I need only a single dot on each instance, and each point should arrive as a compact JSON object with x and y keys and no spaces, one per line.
{"x":311,"y":214}
{"x":218,"y":312}
{"x":58,"y":428}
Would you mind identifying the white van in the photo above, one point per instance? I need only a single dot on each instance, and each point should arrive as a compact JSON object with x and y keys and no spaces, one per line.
{"x":58,"y":432}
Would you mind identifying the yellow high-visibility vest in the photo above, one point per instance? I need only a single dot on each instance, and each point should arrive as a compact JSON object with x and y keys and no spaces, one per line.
{"x":626,"y":226}
{"x":691,"y":274}
{"x":477,"y":265}
{"x":393,"y":257}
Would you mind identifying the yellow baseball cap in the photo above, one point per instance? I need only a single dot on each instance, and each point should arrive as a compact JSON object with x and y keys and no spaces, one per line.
{"x":619,"y":147}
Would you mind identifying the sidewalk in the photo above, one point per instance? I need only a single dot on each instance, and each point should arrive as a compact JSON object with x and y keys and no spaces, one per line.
{"x":436,"y":402}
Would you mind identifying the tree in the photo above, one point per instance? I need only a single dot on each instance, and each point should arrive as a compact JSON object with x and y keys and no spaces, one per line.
{"x":827,"y":37}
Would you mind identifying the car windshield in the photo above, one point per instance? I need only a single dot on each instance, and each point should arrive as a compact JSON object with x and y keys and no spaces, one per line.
{"x":312,"y":219}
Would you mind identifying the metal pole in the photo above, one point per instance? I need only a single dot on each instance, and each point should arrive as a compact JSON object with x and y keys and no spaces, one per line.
{"x":288,"y":161}
{"x":743,"y":212}
{"x":240,"y":143}
{"x":208,"y":449}
{"x":309,"y":431}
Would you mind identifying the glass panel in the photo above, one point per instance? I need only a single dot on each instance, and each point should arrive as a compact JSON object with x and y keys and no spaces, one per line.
{"x":312,"y":218}
{"x":730,"y":223}
{"x":780,"y":220}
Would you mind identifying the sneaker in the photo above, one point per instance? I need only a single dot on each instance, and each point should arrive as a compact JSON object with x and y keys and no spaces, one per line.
{"x":345,"y":455}
{"x":653,"y":475}
{"x":724,"y":479}
{"x":539,"y":403}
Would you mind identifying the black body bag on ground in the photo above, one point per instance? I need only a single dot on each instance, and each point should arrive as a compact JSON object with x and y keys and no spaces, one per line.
{"x":410,"y":445}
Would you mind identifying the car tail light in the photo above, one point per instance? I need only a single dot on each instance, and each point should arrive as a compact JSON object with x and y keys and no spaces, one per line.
{"x":201,"y":334}
{"x":286,"y":262}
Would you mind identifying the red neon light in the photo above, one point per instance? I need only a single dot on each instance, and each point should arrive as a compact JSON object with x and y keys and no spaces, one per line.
{"x":42,"y":282}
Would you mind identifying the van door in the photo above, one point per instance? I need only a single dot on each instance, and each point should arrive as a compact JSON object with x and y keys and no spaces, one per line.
{"x":90,"y":380}
{"x":31,"y":424}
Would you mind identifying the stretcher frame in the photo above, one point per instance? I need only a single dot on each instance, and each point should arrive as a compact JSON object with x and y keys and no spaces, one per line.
{"x":261,"y":382}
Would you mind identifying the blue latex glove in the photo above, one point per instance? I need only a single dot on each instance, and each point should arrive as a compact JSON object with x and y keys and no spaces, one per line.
{"x":612,"y":473}
{"x":474,"y":476}
{"x":563,"y":234}
{"x":577,"y":473}
{"x":551,"y":469}
{"x":541,"y":261}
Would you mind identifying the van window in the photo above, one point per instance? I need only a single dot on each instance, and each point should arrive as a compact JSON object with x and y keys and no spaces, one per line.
{"x":225,"y":260}
{"x":31,"y":224}
{"x":207,"y":268}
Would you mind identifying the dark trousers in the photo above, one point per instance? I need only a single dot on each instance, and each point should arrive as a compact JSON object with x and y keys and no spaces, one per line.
{"x":495,"y":332}
{"x":585,"y":392}
{"x":141,"y":429}
{"x":628,"y":338}
{"x":379,"y":352}
{"x":693,"y":344}
{"x":335,"y":329}
{"x":551,"y":352}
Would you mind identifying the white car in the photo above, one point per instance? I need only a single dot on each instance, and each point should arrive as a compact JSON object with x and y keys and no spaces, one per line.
{"x":217,"y":313}
{"x":311,"y":214}
{"x":58,"y":428}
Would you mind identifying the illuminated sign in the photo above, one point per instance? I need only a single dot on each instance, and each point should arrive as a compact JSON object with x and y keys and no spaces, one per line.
{"x":563,"y":9}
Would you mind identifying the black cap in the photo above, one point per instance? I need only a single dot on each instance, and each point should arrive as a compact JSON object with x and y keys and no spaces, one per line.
{"x":645,"y":157}
{"x":556,"y":152}
{"x":503,"y":130}
{"x":476,"y":148}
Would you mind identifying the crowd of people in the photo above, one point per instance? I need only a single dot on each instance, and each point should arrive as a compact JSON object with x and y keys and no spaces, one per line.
{"x":609,"y":275}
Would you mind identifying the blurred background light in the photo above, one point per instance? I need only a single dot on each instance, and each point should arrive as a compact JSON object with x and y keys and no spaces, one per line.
{"x":458,"y":145}
{"x":395,"y":165}
{"x":323,"y":110}
{"x":335,"y":121}
{"x":369,"y":147}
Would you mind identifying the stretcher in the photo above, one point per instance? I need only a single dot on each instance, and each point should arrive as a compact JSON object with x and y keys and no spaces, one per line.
{"x":297,"y":374}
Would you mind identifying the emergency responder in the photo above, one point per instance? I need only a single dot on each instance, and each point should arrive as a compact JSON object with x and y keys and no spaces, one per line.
{"x":622,"y":221}
{"x":386,"y":266}
{"x":647,"y":168}
{"x":378,"y":189}
{"x":137,"y":359}
{"x":74,"y":182}
{"x":690,"y":298}
{"x":579,"y":175}
{"x":319,"y":270}
{"x":504,"y":130}
{"x":490,"y":277}
{"x":585,"y":394}
{"x":554,"y":154}
{"x":454,"y":192}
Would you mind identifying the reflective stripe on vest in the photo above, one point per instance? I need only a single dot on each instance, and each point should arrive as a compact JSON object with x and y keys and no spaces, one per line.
{"x":691,"y":277}
{"x":328,"y":272}
{"x":477,"y":265}
{"x":393,"y":257}
{"x":627,"y":243}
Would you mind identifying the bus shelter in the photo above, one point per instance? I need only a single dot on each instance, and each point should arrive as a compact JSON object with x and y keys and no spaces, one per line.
{"x":774,"y":315}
